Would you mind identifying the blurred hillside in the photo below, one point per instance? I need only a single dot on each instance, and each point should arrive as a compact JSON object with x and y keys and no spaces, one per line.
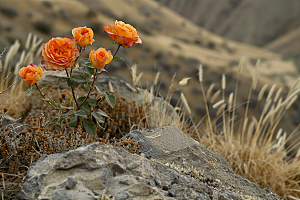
{"x":258,"y":22}
{"x":171,"y":43}
{"x":287,"y":45}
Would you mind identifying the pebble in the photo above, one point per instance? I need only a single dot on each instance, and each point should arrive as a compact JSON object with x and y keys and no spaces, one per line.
{"x":71,"y":182}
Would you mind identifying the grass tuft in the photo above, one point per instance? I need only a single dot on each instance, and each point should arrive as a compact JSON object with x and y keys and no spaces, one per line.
{"x":256,"y":148}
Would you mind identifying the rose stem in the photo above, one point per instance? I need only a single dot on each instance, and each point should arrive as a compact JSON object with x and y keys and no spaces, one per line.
{"x":95,"y":77}
{"x":80,"y":50}
{"x":40,"y":91}
{"x":117,"y":50}
{"x":73,"y":93}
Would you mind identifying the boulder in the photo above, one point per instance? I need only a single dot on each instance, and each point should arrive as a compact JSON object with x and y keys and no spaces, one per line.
{"x":180,"y":169}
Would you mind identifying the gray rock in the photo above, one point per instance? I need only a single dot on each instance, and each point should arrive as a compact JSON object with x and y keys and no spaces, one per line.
{"x":172,"y":193}
{"x":228,"y":195}
{"x":79,"y":192}
{"x":140,"y":190}
{"x":71,"y":182}
{"x":146,"y":145}
{"x":99,"y":167}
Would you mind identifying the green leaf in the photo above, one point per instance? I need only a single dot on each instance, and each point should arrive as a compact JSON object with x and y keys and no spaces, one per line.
{"x":73,"y":122}
{"x":80,"y":113}
{"x":110,"y":98}
{"x":65,"y":115}
{"x":78,"y":77}
{"x":64,"y":107}
{"x":72,"y":83}
{"x":86,"y":86}
{"x":101,"y":71}
{"x":80,"y":99}
{"x":98,"y":117}
{"x":117,"y":58}
{"x":89,"y":126}
{"x":85,"y":62}
{"x":92,"y":102}
{"x":51,"y":102}
{"x":100,"y":89}
{"x":87,"y":77}
{"x":102,"y":113}
{"x":86,"y":108}
{"x":54,"y":121}
{"x":64,"y":78}
{"x":88,"y":70}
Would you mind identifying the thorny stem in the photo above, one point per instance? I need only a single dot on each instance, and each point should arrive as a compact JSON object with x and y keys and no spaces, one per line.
{"x":92,"y":86}
{"x":40,"y":91}
{"x":95,"y":77}
{"x":117,"y":50}
{"x":73,"y":93}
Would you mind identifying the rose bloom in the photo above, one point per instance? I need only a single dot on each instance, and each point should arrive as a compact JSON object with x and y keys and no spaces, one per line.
{"x":59,"y":53}
{"x":123,"y":34}
{"x":100,"y":58}
{"x":83,"y":36}
{"x":31,"y":74}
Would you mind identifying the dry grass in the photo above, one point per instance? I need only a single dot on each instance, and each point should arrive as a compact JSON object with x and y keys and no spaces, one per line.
{"x":252,"y":143}
{"x":11,"y":86}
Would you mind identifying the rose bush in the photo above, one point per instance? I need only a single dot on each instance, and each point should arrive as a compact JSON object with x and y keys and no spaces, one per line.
{"x":123,"y":34}
{"x":60,"y":53}
{"x":83,"y":36}
{"x":100,"y":58}
{"x":31,"y":74}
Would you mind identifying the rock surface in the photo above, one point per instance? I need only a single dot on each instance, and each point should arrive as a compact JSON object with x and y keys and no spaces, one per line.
{"x":97,"y":167}
{"x":171,"y":44}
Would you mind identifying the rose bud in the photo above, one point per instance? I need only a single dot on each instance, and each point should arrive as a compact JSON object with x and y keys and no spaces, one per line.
{"x":83,"y":36}
{"x":100,"y":58}
{"x":31,"y":74}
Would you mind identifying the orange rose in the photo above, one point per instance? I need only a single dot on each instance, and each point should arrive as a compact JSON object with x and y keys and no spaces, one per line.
{"x":59,"y":53}
{"x":123,"y":34}
{"x":100,"y":58}
{"x":31,"y":74}
{"x":83,"y":36}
